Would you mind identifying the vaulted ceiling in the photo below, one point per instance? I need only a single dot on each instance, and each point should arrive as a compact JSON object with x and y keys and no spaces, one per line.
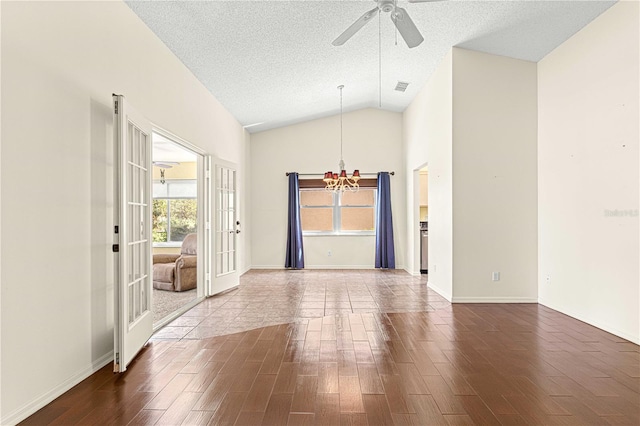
{"x":272,"y":63}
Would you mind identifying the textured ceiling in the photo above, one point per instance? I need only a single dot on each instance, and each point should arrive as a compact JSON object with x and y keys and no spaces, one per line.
{"x":271,"y":63}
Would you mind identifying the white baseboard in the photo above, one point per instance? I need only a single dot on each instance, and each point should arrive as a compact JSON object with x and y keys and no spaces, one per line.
{"x":494,"y":300}
{"x":440,"y":291}
{"x":596,"y":323}
{"x":317,"y":267}
{"x":272,"y":267}
{"x":25,"y":411}
{"x":340,"y":267}
{"x":412,"y":273}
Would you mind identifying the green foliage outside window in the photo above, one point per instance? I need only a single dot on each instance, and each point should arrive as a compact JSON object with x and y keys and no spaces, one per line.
{"x":173,"y":219}
{"x":159,"y":221}
{"x":183,"y":218}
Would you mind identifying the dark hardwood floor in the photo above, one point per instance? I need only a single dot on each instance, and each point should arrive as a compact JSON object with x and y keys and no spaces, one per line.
{"x":463,"y":364}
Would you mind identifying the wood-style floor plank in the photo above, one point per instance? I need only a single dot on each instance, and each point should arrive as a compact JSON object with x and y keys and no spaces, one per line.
{"x":479,"y":364}
{"x":327,"y":409}
{"x":278,"y":410}
{"x":259,"y":394}
{"x":377,"y":410}
{"x":304,"y":396}
{"x":179,"y":409}
{"x":146,"y":417}
{"x":350,"y":395}
{"x":328,"y":377}
{"x":370,"y":382}
{"x":301,"y":419}
{"x":229,"y":410}
{"x":197,"y":418}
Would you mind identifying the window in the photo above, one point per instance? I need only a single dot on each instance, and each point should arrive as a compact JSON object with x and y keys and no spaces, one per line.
{"x":323,"y":212}
{"x":175,"y":211}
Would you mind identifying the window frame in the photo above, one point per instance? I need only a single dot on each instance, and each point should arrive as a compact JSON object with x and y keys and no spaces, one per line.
{"x":318,"y":185}
{"x":168,"y":199}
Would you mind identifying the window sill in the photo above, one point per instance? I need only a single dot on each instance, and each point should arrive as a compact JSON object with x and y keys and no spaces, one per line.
{"x":339,"y":234}
{"x":172,"y":244}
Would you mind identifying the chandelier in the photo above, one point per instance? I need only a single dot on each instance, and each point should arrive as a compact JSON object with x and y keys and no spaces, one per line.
{"x":341,"y":182}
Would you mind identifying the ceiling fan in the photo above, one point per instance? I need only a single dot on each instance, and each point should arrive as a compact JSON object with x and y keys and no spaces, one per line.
{"x":165,"y":164}
{"x":399,"y":16}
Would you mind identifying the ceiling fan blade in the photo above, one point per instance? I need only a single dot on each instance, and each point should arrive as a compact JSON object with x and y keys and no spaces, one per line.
{"x":355,"y":27}
{"x":406,"y":27}
{"x":165,"y":164}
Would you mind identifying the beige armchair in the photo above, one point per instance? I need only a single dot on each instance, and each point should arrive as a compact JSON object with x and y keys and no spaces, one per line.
{"x":177,"y":272}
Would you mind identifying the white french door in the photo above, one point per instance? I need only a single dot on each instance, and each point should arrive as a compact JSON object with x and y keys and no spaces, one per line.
{"x":132,"y":234}
{"x":227,"y":228}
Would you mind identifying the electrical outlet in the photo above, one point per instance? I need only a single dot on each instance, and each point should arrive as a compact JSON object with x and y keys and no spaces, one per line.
{"x":547,"y":279}
{"x":329,"y":253}
{"x":495,"y":276}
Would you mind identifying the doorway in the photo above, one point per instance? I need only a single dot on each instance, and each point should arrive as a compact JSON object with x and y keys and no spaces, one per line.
{"x":419,"y":221}
{"x":178,"y":235}
{"x":424,"y":220}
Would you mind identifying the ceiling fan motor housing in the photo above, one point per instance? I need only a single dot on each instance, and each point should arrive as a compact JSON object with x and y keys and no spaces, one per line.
{"x":386,"y":5}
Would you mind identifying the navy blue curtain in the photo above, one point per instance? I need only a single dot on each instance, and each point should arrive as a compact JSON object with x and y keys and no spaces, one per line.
{"x":385,"y":254}
{"x":295,"y":253}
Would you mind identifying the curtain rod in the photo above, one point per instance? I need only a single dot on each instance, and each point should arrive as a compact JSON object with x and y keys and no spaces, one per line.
{"x":322,"y":174}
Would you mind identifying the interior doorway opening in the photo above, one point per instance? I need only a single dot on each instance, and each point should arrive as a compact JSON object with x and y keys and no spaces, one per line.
{"x":424,"y":220}
{"x":419,"y":220}
{"x":178,"y":234}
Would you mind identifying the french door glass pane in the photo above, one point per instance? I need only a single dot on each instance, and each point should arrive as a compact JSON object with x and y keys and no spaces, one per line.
{"x":183,"y":218}
{"x":159,"y":220}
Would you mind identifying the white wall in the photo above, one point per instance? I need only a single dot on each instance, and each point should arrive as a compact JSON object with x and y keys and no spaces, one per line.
{"x":427,"y":138}
{"x":372,"y":143}
{"x":474,"y":123}
{"x":244,"y":242}
{"x":1,"y":417}
{"x":494,"y":178}
{"x":60,"y":64}
{"x":588,"y":165}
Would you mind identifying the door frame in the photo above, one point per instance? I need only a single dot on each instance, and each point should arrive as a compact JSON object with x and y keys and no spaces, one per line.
{"x":203,"y":223}
{"x":415,"y":220}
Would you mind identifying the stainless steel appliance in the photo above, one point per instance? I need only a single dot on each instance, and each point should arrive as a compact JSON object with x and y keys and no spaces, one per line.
{"x":424,"y":247}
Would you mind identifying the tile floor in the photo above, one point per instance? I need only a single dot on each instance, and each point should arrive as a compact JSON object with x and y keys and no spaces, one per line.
{"x":366,"y":348}
{"x":271,"y":297}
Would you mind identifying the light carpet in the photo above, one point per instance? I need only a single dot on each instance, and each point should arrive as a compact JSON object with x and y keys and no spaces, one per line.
{"x":165,"y":302}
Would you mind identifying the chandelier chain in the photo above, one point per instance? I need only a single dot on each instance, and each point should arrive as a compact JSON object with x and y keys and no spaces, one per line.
{"x":340,"y":182}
